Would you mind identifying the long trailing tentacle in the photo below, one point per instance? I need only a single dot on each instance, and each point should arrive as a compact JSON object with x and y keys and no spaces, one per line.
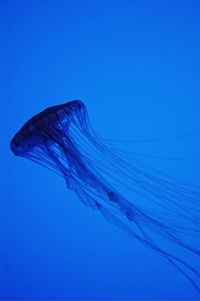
{"x":174,"y":216}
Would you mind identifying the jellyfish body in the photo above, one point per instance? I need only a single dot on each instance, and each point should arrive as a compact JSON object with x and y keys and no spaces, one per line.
{"x":167,"y":221}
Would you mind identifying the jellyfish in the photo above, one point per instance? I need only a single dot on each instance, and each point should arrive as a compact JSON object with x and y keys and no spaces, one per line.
{"x":158,"y":211}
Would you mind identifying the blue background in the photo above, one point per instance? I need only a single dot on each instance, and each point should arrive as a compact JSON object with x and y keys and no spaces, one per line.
{"x":135,"y":65}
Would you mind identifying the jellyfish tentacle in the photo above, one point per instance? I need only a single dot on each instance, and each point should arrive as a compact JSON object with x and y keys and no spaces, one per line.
{"x":148,"y":242}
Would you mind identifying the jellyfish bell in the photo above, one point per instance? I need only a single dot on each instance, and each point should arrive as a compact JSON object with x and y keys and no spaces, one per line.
{"x":38,"y":128}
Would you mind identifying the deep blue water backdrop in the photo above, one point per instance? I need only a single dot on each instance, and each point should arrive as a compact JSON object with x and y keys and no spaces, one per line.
{"x":135,"y":64}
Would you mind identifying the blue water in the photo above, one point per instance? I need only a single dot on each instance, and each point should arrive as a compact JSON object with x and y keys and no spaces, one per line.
{"x":135,"y":64}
